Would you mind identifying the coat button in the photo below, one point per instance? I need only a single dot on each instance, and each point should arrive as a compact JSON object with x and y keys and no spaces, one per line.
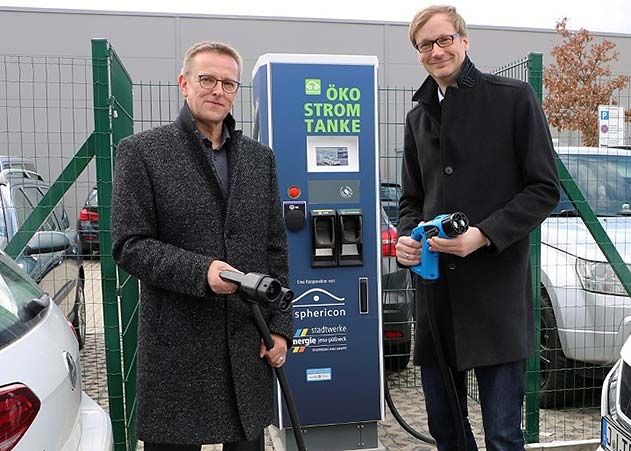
{"x":452,"y":265}
{"x":448,"y":170}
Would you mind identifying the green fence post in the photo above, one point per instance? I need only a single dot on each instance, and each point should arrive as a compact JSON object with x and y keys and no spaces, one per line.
{"x":103,"y":141}
{"x":533,"y":376}
{"x":121,"y":102}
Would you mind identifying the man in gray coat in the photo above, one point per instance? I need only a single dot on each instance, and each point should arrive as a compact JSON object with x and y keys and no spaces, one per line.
{"x":479,"y":144}
{"x":191,"y":199}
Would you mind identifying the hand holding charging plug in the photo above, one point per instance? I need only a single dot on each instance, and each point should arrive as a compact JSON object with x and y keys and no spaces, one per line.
{"x":408,"y":251}
{"x":442,"y":226}
{"x":216,"y":283}
{"x":461,"y":245}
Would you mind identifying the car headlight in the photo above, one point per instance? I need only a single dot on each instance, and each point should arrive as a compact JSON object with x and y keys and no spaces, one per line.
{"x":612,"y":391}
{"x":598,"y":277}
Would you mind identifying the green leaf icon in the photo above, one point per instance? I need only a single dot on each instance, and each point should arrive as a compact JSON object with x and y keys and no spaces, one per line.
{"x":313,"y":86}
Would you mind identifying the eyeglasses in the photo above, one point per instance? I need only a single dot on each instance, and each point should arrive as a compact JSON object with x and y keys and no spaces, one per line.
{"x":209,"y":82}
{"x":442,"y":42}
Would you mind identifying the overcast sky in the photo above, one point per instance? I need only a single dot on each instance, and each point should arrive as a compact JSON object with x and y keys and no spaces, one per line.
{"x":608,"y":16}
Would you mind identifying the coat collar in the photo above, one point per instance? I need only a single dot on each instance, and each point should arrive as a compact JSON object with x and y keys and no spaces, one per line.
{"x":468,"y":77}
{"x":186,"y":122}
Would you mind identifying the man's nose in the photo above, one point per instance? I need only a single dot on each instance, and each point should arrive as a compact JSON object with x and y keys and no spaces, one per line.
{"x":217,"y":90}
{"x":437,"y":51}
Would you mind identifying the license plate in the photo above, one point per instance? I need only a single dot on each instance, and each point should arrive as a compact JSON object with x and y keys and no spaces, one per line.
{"x":612,"y":438}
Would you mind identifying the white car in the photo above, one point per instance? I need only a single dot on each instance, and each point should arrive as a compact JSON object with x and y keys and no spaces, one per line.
{"x":42,"y":406}
{"x":586,"y":313}
{"x":615,"y":406}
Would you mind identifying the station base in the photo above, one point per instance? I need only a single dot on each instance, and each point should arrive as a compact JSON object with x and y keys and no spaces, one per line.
{"x":336,"y":437}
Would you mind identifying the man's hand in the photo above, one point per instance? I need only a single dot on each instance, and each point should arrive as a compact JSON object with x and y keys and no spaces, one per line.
{"x":408,"y":251}
{"x":462,"y":245}
{"x":277,"y":355}
{"x":215,"y":282}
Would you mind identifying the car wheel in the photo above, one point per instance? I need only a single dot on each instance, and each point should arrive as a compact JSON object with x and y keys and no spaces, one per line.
{"x":399,"y":361}
{"x":79,"y":322}
{"x":561,"y":384}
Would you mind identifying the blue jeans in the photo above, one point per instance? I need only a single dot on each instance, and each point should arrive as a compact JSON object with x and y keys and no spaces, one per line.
{"x":501,"y":389}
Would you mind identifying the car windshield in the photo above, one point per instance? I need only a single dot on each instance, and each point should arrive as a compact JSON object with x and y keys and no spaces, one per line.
{"x":15,"y":294}
{"x":604,"y":180}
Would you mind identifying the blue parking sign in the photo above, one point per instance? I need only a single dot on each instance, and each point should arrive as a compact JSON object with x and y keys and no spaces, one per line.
{"x":604,"y":115}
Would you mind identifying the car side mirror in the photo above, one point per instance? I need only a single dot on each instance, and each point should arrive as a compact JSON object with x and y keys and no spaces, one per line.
{"x":47,"y":242}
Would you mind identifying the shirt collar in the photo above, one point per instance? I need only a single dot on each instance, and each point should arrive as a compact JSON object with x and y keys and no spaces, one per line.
{"x":468,"y":77}
{"x":188,"y":119}
{"x":225,"y":136}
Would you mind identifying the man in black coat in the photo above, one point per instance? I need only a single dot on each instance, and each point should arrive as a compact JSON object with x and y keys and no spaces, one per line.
{"x":479,"y":144}
{"x":191,"y":199}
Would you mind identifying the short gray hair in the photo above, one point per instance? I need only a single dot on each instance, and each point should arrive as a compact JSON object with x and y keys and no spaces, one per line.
{"x":210,"y":46}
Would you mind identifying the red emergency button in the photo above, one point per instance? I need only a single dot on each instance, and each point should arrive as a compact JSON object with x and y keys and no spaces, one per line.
{"x":294,"y":192}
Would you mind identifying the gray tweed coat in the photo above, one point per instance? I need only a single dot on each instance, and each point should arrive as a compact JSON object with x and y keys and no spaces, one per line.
{"x":200,"y":378}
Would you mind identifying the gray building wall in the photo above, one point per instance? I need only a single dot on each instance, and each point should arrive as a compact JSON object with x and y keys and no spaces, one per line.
{"x":152,"y":46}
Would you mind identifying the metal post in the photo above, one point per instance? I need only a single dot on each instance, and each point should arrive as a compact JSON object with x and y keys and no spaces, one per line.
{"x":103,"y":142}
{"x":533,"y":376}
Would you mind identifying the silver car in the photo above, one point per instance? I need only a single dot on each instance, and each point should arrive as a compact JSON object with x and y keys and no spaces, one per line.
{"x":42,"y":406}
{"x":615,"y":407}
{"x":586,"y":313}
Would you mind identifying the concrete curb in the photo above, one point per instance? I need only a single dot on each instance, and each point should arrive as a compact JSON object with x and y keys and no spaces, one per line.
{"x":566,"y":445}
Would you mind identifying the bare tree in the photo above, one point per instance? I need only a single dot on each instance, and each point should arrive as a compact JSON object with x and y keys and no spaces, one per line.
{"x":579,"y":81}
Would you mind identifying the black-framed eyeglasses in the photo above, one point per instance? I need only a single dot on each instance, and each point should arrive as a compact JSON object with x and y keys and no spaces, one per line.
{"x":209,"y":82}
{"x":442,"y":42}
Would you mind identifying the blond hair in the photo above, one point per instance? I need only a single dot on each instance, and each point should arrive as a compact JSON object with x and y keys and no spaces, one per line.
{"x":421,"y":18}
{"x":209,"y":46}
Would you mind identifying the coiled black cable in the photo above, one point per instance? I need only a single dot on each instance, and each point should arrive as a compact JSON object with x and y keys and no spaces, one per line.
{"x":397,"y":416}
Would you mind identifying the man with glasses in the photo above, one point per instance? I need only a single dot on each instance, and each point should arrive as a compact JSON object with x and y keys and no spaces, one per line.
{"x":191,"y":199}
{"x":479,"y":144}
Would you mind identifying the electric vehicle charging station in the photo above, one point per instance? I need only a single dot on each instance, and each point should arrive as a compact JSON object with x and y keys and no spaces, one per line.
{"x":319,"y":115}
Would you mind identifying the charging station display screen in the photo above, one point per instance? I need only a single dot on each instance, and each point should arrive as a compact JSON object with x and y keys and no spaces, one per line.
{"x":331,"y":156}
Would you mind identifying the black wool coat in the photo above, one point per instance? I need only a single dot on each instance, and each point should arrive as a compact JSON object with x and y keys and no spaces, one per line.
{"x":200,"y":378}
{"x":486,"y":151}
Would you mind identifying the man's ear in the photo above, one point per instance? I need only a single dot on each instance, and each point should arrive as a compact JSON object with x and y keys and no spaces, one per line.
{"x":182,"y":82}
{"x":465,"y":42}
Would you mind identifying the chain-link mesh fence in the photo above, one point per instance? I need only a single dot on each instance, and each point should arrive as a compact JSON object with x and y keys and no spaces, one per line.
{"x":47,"y":113}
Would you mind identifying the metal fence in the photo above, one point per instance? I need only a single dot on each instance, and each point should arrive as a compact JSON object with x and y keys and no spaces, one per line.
{"x":67,"y":114}
{"x":60,"y":120}
{"x":47,"y":120}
